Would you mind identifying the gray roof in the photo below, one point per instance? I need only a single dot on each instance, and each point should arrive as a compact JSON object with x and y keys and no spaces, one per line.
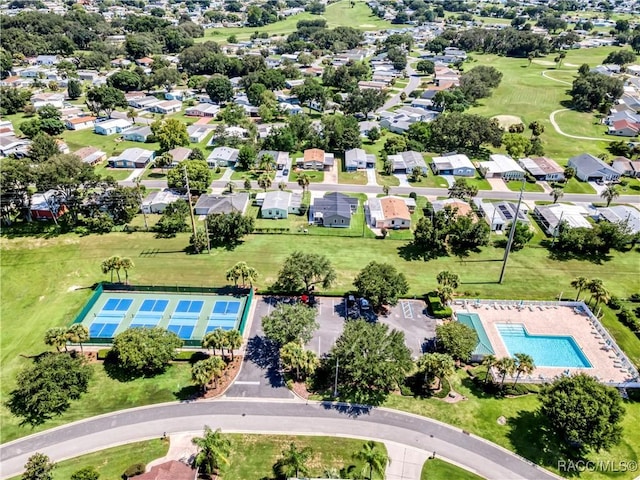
{"x":587,"y":164}
{"x":335,"y":204}
{"x":135,"y":154}
{"x":223,"y":203}
{"x":413,"y":159}
{"x":277,"y":199}
{"x":354,"y":156}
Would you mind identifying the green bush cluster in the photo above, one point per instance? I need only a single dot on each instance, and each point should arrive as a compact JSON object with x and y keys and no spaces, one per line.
{"x":437,"y":309}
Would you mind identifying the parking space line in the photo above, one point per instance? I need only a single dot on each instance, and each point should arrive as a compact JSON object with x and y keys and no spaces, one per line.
{"x":407,"y":311}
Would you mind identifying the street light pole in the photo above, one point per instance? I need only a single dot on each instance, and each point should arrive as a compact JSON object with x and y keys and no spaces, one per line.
{"x":335,"y":383}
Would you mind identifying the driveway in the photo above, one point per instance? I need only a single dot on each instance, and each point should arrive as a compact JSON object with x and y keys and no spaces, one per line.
{"x":371,"y":176}
{"x":598,"y":188}
{"x":277,"y":417}
{"x":331,"y":175}
{"x":498,"y":185}
{"x":403,"y":179}
{"x":450,"y":179}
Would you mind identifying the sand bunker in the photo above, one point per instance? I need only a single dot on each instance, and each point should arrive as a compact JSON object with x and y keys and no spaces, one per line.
{"x":507,"y":120}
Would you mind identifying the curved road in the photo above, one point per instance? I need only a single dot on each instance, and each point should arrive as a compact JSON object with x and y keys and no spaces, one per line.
{"x":414,"y":82}
{"x":263,"y":416}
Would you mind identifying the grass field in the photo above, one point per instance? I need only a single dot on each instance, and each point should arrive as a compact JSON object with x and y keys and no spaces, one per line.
{"x":253,"y":456}
{"x":112,"y":462}
{"x":337,"y":14}
{"x":524,"y":90}
{"x":436,"y":469}
{"x":576,"y":186}
{"x":516,"y":185}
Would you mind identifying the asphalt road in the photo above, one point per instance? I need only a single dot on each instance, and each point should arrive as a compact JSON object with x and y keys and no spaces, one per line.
{"x":436,"y":192}
{"x":414,"y":82}
{"x":276,"y":416}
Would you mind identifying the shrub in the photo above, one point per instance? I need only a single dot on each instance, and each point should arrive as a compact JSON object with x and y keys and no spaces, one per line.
{"x":635,"y":297}
{"x":102,"y":353}
{"x":133,"y":470}
{"x":614,"y":303}
{"x":437,"y":309}
{"x":413,"y":195}
{"x":629,"y":319}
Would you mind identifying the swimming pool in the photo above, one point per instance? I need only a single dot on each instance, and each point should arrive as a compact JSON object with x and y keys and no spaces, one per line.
{"x":546,"y":350}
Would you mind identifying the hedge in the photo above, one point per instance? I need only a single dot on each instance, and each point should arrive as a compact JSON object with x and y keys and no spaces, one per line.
{"x":437,"y":309}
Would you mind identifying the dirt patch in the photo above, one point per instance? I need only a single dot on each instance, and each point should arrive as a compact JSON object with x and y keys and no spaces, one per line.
{"x":73,"y":287}
{"x":300,"y":389}
{"x":506,"y":121}
{"x":454,"y":397}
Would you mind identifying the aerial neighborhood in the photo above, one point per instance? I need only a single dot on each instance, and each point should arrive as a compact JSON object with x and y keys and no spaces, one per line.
{"x":232,"y":231}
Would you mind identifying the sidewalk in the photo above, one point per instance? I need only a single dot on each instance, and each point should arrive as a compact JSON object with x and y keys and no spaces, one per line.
{"x":405,"y":463}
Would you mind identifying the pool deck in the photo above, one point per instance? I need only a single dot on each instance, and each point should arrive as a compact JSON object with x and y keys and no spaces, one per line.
{"x":553,"y":320}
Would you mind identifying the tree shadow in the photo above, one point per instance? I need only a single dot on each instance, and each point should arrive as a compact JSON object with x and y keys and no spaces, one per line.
{"x":532,"y":438}
{"x":114,"y":371}
{"x":188,"y":393}
{"x":265,"y":354}
{"x":350,"y":409}
{"x":35,"y":229}
{"x":410,"y":252}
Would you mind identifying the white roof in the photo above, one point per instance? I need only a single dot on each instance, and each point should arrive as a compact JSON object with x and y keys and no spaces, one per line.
{"x":114,"y":122}
{"x":456,"y":161}
{"x":501,"y":163}
{"x":574,"y":215}
{"x":620,"y":214}
{"x":135,"y":154}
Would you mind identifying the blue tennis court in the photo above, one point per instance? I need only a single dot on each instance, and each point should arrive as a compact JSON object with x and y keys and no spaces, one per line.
{"x":190,"y":316}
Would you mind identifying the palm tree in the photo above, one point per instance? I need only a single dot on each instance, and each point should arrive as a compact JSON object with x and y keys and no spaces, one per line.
{"x":292,"y":463}
{"x":447,"y":278}
{"x":385,"y":189}
{"x":489,"y":361}
{"x":580,"y":283}
{"x":557,"y":193}
{"x":109,"y":266}
{"x":310,"y":362}
{"x":525,"y":365}
{"x":56,"y":337}
{"x":234,"y":340}
{"x":78,"y":333}
{"x":304,"y":181}
{"x":233,"y":275}
{"x":264,"y":181}
{"x":610,"y":193}
{"x":214,"y":340}
{"x":445,"y":294}
{"x":373,"y":458}
{"x":292,"y":357}
{"x":439,"y":365}
{"x":505,"y":365}
{"x":131,"y":115}
{"x":601,"y":294}
{"x":267,"y":162}
{"x":593,"y":286}
{"x":201,"y":375}
{"x":214,"y":450}
{"x":126,"y":264}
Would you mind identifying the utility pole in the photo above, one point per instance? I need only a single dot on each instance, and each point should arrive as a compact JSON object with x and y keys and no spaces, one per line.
{"x":206,"y":231}
{"x":556,"y":229}
{"x":511,"y":234}
{"x":144,"y":215}
{"x":193,"y":218}
{"x":335,"y":383}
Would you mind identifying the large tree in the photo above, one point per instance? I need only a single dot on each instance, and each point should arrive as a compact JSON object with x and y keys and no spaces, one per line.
{"x":219,"y":89}
{"x":125,"y":80}
{"x":435,"y":365}
{"x":197,"y":171}
{"x":372,"y":361}
{"x":583,"y":412}
{"x":374,"y":458}
{"x":290,"y":323}
{"x":145,"y":351}
{"x":301,"y":272}
{"x":464,"y":132}
{"x":295,"y":358}
{"x":594,"y":90}
{"x":38,"y":467}
{"x":213,"y":451}
{"x":228,"y":229}
{"x":46,"y":387}
{"x":381,"y":283}
{"x":456,"y":339}
{"x":105,"y":99}
{"x":170,"y":133}
{"x":43,"y":147}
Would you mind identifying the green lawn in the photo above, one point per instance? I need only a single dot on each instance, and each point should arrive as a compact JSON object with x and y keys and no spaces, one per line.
{"x":353,"y":178}
{"x":253,"y":456}
{"x":154,"y":174}
{"x":576,"y":186}
{"x":533,"y":97}
{"x":436,"y":469}
{"x":315,"y":176}
{"x":516,"y":185}
{"x":118,"y":173}
{"x":337,"y":14}
{"x":581,"y":124}
{"x":250,"y":174}
{"x":629,"y":186}
{"x":112,"y":462}
{"x":480,"y":182}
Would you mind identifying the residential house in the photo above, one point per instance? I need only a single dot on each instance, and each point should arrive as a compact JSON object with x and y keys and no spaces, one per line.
{"x":222,"y":204}
{"x":10,"y":144}
{"x":197,"y":133}
{"x":46,"y":206}
{"x":180,"y":95}
{"x":622,"y":214}
{"x":460,"y":207}
{"x":40,"y":100}
{"x":47,"y":59}
{"x":171,"y":470}
{"x":550,"y":216}
{"x":624,"y":128}
{"x":156,"y":202}
{"x":279,"y":204}
{"x":626,"y":167}
{"x":453,"y":164}
{"x":499,"y":215}
{"x":166,"y":107}
{"x":543,"y":169}
{"x":405,"y":162}
{"x":445,"y":75}
{"x":333,"y":210}
{"x":144,"y":103}
{"x":179,"y":154}
{"x":389,"y":212}
{"x":144,"y":62}
{"x":112,"y":126}
{"x":371,"y":85}
{"x":62,"y":146}
{"x":90,"y":76}
{"x":589,"y":168}
{"x":80,"y":123}
{"x":366,"y":126}
{"x":14,"y":81}
{"x":357,"y":158}
{"x":203,"y":110}
{"x":223,"y":157}
{"x":91,"y":155}
{"x":132,"y":158}
{"x":317,"y":159}
{"x":281,"y":158}
{"x":502,"y":166}
{"x":137,"y":134}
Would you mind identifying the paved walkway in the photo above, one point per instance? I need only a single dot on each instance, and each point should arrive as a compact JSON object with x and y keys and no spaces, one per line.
{"x":331,"y":175}
{"x":226,"y":176}
{"x":371,"y":176}
{"x":498,"y":185}
{"x":181,"y":448}
{"x":402,"y":177}
{"x":135,"y":174}
{"x":552,"y":119}
{"x":277,"y":417}
{"x":544,"y":74}
{"x":405,"y":463}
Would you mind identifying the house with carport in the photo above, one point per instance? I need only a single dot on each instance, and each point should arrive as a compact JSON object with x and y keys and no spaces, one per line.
{"x":456,"y":164}
{"x":590,"y":169}
{"x":279,"y":204}
{"x":132,"y":158}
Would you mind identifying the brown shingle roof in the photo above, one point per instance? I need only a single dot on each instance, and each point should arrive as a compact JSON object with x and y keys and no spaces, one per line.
{"x":314,"y":155}
{"x":395,"y":208}
{"x":172,"y":470}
